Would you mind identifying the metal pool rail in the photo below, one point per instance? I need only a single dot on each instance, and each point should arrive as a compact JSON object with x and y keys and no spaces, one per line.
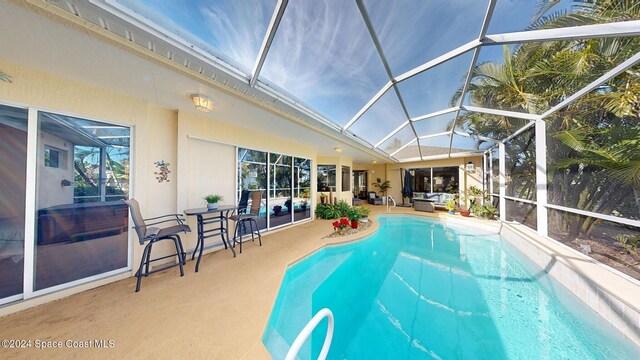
{"x":308,"y":329}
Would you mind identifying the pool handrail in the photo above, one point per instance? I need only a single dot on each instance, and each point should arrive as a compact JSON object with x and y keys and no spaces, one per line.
{"x":307,"y":330}
{"x":390,"y":199}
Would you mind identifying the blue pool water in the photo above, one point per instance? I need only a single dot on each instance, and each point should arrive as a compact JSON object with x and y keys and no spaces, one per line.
{"x":417,"y":289}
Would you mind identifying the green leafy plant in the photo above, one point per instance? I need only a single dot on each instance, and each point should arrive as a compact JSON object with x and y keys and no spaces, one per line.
{"x":382,"y":185}
{"x":486,"y":211}
{"x":327,"y":211}
{"x":364,"y":211}
{"x":353,"y":214}
{"x":343,"y":207}
{"x":306,"y":193}
{"x":450,"y":205}
{"x":212,"y":199}
{"x":475,"y":196}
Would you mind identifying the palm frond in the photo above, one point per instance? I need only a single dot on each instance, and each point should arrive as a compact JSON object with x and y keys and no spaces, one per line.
{"x":628,"y":173}
{"x":575,"y":139}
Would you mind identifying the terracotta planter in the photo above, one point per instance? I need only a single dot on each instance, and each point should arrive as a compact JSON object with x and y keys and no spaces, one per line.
{"x":354,"y":224}
{"x":465,"y":213}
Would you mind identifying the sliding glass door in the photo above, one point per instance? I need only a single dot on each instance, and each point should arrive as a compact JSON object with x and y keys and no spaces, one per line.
{"x":13,"y":178}
{"x":252,"y":176}
{"x":81,"y":222}
{"x":280,"y":194}
{"x":72,"y":207}
{"x":284,"y":182}
{"x":302,"y":189}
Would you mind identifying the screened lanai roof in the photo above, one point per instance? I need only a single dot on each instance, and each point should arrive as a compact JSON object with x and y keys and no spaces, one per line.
{"x":411,"y":79}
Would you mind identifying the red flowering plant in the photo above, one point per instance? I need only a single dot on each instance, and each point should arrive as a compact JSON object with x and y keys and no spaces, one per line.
{"x":340,"y":224}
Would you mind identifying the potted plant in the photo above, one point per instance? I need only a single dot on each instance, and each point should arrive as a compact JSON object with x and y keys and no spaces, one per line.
{"x":364,"y":214}
{"x":465,"y":212}
{"x":340,"y":226}
{"x":450,"y":206}
{"x":353,"y":214}
{"x":323,"y":198}
{"x":212,"y":201}
{"x":277,"y":210}
{"x":305,"y":196}
{"x":383,"y":186}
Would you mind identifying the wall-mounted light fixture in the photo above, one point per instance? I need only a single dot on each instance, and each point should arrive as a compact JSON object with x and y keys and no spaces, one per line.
{"x":202,"y":102}
{"x":373,"y":162}
{"x":470,"y":167}
{"x":338,"y":149}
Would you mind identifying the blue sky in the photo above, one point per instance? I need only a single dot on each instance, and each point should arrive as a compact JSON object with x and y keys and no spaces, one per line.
{"x":324,"y":56}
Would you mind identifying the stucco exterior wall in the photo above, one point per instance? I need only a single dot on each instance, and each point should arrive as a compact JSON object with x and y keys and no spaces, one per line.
{"x":198,"y":167}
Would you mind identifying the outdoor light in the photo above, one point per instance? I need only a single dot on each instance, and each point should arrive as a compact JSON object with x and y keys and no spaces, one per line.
{"x":202,"y":102}
{"x":470,"y":166}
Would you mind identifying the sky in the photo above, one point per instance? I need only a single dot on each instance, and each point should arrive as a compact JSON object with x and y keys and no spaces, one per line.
{"x":324,"y":56}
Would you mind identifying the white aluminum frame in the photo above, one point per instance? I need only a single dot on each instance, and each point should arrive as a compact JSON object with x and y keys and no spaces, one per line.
{"x":541,"y":178}
{"x":31,"y":199}
{"x":617,"y":29}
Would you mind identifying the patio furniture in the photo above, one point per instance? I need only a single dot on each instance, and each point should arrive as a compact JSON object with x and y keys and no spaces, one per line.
{"x":373,"y":199}
{"x":205,"y":216}
{"x":438,"y":199}
{"x":250,"y":218}
{"x":152,"y":235}
{"x":356,"y":201}
{"x":423,"y":205}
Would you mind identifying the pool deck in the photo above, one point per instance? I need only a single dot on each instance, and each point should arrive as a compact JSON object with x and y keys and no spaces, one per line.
{"x":218,"y":313}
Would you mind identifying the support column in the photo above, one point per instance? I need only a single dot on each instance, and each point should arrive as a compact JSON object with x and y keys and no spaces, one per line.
{"x":541,"y":177}
{"x":103,"y":174}
{"x":503,"y":182}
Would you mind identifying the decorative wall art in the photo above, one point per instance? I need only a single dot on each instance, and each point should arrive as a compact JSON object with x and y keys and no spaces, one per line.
{"x":163,"y":171}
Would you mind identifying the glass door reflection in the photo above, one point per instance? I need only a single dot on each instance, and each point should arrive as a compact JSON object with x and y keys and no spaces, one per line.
{"x":280,"y":194}
{"x":13,"y":174}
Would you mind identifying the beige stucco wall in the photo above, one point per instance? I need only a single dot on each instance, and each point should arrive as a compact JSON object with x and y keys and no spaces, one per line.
{"x":157,"y":134}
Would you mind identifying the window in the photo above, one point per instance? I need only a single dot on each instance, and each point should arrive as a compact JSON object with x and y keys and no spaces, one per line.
{"x":346,"y":178}
{"x":446,"y":179}
{"x":437,"y":180}
{"x":326,"y":177}
{"x":51,"y":157}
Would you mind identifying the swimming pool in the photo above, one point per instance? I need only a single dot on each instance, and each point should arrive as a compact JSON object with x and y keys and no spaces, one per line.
{"x":418,"y":289}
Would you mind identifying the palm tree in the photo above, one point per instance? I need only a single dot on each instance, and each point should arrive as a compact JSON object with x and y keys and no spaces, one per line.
{"x":593,"y":152}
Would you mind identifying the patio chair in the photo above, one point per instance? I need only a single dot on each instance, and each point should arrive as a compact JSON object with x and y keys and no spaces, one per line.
{"x":152,"y":235}
{"x":356,"y":200}
{"x":373,"y":199}
{"x":250,"y":218}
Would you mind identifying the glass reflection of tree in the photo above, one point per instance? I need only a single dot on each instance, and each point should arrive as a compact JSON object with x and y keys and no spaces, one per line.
{"x":87,"y":175}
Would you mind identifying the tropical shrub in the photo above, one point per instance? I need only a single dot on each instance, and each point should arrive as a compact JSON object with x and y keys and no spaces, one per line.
{"x":353,"y":214}
{"x":343,"y":207}
{"x":327,"y":211}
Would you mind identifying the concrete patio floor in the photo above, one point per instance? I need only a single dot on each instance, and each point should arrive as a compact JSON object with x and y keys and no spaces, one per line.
{"x":218,"y":313}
